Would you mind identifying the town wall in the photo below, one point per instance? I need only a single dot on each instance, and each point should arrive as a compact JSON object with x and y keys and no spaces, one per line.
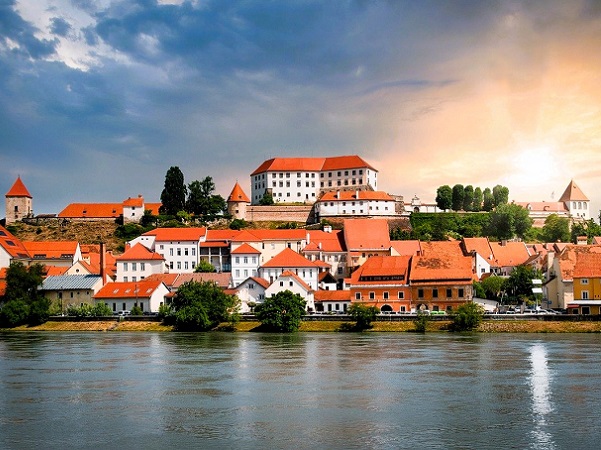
{"x":271,"y":213}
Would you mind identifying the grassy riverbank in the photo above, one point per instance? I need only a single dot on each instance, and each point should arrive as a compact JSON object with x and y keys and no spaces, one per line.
{"x":514,"y":326}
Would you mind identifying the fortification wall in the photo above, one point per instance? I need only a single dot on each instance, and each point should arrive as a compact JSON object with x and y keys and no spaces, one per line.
{"x":271,"y":213}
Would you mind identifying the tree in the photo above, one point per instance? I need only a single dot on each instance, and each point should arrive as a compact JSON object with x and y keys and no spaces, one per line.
{"x":362,"y":315}
{"x":281,"y":312}
{"x":201,"y":306}
{"x":508,"y":221}
{"x":467,"y":316}
{"x":23,"y":302}
{"x":478,"y":199}
{"x":488,"y":201}
{"x":201,"y":200}
{"x":458,"y":194}
{"x":556,"y":229}
{"x":500,"y":194}
{"x":444,"y":197}
{"x":468,"y":198}
{"x":590,"y":229}
{"x":204,"y":266}
{"x":493,"y":287}
{"x":519,"y":284}
{"x":267,"y":199}
{"x":173,"y":197}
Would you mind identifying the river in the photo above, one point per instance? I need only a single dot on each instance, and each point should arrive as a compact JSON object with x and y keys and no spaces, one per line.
{"x":300,"y":391}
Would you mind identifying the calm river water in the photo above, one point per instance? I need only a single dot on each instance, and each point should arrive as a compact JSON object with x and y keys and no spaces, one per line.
{"x":300,"y":391}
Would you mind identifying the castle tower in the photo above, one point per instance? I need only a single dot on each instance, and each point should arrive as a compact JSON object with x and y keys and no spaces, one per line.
{"x":237,"y":202}
{"x":19,"y":202}
{"x":576,"y":202}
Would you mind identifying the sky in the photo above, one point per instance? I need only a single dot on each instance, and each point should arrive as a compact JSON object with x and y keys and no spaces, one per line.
{"x":99,"y":98}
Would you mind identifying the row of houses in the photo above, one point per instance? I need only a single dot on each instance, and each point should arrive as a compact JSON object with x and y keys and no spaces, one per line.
{"x":330,"y":268}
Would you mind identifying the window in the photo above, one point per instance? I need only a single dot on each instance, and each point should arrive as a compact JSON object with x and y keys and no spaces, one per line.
{"x":133,"y":267}
{"x":281,"y":284}
{"x":434,"y":293}
{"x":246,"y":260}
{"x":186,"y":251}
{"x":402,"y":309}
{"x":449,"y":293}
{"x":357,"y":295}
{"x":584,"y":281}
{"x":179,"y":265}
{"x":237,"y":260}
{"x":584,"y":295}
{"x":142,"y":266}
{"x":186,"y":265}
{"x":420,"y":293}
{"x":372,"y":295}
{"x":401,"y":295}
{"x":237,"y":272}
{"x":461,"y":293}
{"x":125,"y":267}
{"x":291,"y":284}
{"x":134,"y":279}
{"x":170,"y":252}
{"x":179,"y":252}
{"x":193,"y":251}
{"x":125,"y":279}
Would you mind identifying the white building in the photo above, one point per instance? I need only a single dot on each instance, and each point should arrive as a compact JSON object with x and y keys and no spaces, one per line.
{"x":355,"y":203}
{"x":146,"y":294}
{"x":294,"y":180}
{"x":138,"y":263}
{"x":245,"y":263}
{"x":179,"y":246}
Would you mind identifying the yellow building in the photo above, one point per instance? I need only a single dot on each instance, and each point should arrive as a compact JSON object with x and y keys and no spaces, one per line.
{"x":587,"y":285}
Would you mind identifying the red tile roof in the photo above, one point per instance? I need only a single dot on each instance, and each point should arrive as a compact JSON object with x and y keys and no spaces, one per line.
{"x":221,"y":235}
{"x":261,"y":281}
{"x":139,"y":253}
{"x":546,"y":207}
{"x":332,"y":296}
{"x":245,"y":249}
{"x":177,"y":234}
{"x":573,"y":193}
{"x":11,"y":245}
{"x":355,"y":195}
{"x":568,"y":258}
{"x":130,"y":289}
{"x":51,"y":249}
{"x":238,"y":195}
{"x":288,"y":258}
{"x":153,"y":208}
{"x":167,"y":278}
{"x":441,"y":261}
{"x":480,"y":245}
{"x":92,"y":210}
{"x":311,"y":164}
{"x":366,"y":234}
{"x":588,"y":265}
{"x":327,"y":242}
{"x":509,"y":254}
{"x":137,"y":202}
{"x":385,"y":268}
{"x":50,"y":271}
{"x":406,"y":248}
{"x":222,"y":279}
{"x":18,"y":189}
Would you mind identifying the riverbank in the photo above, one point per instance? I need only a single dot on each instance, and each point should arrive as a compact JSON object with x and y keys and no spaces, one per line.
{"x":514,"y":326}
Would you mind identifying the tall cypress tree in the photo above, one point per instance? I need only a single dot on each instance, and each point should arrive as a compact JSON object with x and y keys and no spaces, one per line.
{"x":173,"y":197}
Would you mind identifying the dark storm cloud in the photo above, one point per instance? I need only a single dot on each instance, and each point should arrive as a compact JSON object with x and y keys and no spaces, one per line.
{"x":13,"y":27}
{"x":60,"y":26}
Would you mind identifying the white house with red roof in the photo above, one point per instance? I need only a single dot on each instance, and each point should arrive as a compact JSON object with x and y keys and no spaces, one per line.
{"x":138,"y":263}
{"x":356,"y":203}
{"x":11,"y":249}
{"x":291,"y":281}
{"x":179,"y":246}
{"x":18,"y":202}
{"x":327,"y":246}
{"x":251,"y":292}
{"x":146,"y":294}
{"x":293,"y":180}
{"x":245,"y":263}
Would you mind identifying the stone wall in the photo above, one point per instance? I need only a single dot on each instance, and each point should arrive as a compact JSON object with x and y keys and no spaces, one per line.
{"x":280,"y":213}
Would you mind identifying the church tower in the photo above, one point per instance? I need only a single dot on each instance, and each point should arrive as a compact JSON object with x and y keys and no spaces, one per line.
{"x":576,"y":202}
{"x":237,"y":202}
{"x":19,"y":202}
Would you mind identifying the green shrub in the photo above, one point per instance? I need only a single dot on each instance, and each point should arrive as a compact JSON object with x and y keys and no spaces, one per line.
{"x":421,"y":322}
{"x":14,"y":313}
{"x":362,"y":315}
{"x":468,"y":316}
{"x":136,"y":311}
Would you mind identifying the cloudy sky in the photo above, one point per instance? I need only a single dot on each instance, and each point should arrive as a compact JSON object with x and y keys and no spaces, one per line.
{"x":99,"y":98}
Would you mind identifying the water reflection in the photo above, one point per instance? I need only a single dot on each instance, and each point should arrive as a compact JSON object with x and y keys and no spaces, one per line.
{"x":540,"y":387}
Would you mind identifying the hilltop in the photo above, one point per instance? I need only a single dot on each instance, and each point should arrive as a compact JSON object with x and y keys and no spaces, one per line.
{"x":82,"y":232}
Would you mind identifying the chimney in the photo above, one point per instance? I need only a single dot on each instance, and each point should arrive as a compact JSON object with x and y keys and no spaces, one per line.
{"x":103,"y":263}
{"x":338,"y":195}
{"x":357,"y":194}
{"x":308,"y":238}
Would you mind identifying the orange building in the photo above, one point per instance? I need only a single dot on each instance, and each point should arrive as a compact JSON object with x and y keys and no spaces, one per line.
{"x":383,"y":282}
{"x":441,"y":277}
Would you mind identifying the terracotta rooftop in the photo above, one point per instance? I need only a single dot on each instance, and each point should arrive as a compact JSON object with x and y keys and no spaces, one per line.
{"x":139,"y":253}
{"x":366,"y":234}
{"x":406,"y":248}
{"x":332,"y":196}
{"x":222,"y":279}
{"x":288,"y":258}
{"x":383,"y":270}
{"x":11,"y":245}
{"x":568,"y":257}
{"x":130,"y":289}
{"x":311,"y":164}
{"x":332,"y":296}
{"x":331,"y":242}
{"x":509,"y":254}
{"x":177,"y":234}
{"x":92,"y":210}
{"x":480,"y":245}
{"x":246,"y":249}
{"x":51,"y":249}
{"x":441,"y":261}
{"x":573,"y":193}
{"x":238,"y":195}
{"x":18,"y":189}
{"x":137,"y":202}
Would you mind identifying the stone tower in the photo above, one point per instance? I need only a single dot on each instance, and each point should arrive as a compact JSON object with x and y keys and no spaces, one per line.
{"x":576,"y":202}
{"x":237,"y":202}
{"x":19,"y":202}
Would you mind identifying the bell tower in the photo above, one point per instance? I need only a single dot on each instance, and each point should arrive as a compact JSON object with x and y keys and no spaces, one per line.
{"x":19,"y":202}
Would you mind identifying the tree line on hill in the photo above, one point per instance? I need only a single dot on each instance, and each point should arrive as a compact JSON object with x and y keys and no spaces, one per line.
{"x":467,"y":198}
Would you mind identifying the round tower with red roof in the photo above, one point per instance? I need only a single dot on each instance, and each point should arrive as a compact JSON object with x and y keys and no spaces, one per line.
{"x":19,"y":202}
{"x":237,"y":202}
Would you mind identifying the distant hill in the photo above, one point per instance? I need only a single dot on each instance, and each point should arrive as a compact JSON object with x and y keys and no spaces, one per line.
{"x":82,"y":232}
